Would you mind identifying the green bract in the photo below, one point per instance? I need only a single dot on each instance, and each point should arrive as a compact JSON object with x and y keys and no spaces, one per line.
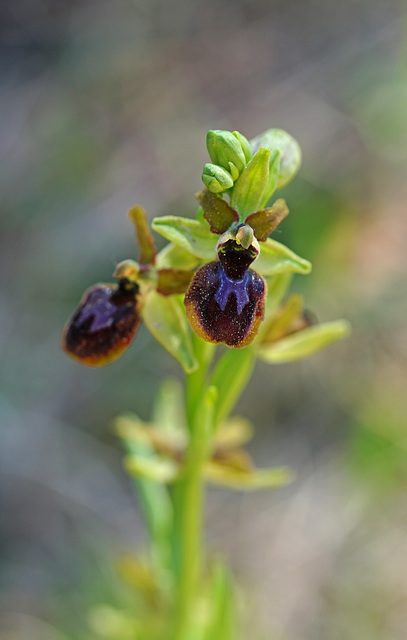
{"x":249,"y":190}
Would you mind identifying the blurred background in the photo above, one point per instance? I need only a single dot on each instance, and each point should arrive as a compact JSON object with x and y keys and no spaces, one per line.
{"x":106,"y":104}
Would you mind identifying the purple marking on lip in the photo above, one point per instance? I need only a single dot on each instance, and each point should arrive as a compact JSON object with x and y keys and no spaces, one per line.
{"x":98,"y":307}
{"x":227,"y":286}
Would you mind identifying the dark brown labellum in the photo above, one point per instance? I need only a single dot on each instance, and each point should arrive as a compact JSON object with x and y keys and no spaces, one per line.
{"x":225,"y":300}
{"x":104,"y":324}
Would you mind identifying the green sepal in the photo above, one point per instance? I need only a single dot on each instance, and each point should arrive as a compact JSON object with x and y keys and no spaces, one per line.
{"x":216,"y":211}
{"x":247,"y":479}
{"x":277,"y":258}
{"x":303,"y":343}
{"x":264,"y":222}
{"x":216,"y":178}
{"x":249,"y":190}
{"x":192,"y":235}
{"x":165,"y":319}
{"x":172,"y":256}
{"x":290,"y":158}
{"x":224,"y":149}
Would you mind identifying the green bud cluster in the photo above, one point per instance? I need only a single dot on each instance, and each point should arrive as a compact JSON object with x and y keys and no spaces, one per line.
{"x":229,"y":152}
{"x":250,"y":172}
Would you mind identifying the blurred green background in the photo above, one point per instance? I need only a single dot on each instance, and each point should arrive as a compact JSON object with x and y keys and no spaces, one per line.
{"x":106,"y":104}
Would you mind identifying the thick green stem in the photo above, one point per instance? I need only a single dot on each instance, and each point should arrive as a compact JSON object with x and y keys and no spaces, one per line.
{"x":189,"y":508}
{"x":191,"y":504}
{"x":204,"y":413}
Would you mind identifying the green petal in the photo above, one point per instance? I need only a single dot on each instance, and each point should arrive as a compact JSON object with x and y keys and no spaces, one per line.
{"x":191,"y":235}
{"x":304,"y":343}
{"x":157,"y":469}
{"x":277,"y":258}
{"x":290,"y":159}
{"x":165,"y":319}
{"x":247,"y":480}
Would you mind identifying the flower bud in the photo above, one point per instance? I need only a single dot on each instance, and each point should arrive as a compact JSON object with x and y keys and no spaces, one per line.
{"x":104,"y":324}
{"x":226,"y":149}
{"x":290,"y":152}
{"x":216,"y":179}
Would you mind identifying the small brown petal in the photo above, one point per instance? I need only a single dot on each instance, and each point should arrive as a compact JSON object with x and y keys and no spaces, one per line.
{"x":264,"y":222}
{"x":145,"y":239}
{"x":219,"y":214}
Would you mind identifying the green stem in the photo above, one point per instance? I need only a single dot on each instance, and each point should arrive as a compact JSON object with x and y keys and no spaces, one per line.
{"x":189,"y":510}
